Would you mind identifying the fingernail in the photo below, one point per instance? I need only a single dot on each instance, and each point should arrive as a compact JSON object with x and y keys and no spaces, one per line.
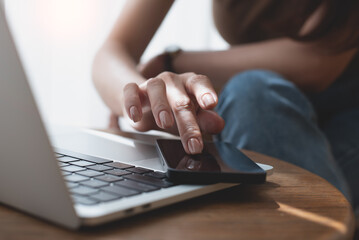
{"x":134,"y":114}
{"x":194,"y":146}
{"x":165,"y":119}
{"x":207,"y":100}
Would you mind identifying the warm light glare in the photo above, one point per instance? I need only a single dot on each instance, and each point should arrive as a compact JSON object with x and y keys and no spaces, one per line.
{"x":66,"y":20}
{"x":313,"y":217}
{"x":58,"y":40}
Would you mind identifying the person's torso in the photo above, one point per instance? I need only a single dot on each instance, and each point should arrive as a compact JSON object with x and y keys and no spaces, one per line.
{"x":248,"y":21}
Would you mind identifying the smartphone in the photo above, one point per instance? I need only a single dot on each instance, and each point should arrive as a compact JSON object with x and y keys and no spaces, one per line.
{"x":218,"y":162}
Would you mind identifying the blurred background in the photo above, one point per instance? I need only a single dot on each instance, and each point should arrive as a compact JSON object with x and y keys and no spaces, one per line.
{"x":58,"y":39}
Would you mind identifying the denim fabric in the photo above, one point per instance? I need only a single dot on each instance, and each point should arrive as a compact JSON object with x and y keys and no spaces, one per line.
{"x":266,"y":113}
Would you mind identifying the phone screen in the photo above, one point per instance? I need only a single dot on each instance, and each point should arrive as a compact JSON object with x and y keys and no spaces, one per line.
{"x":218,"y":160}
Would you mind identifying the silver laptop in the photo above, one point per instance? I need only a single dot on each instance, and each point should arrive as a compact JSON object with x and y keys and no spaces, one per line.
{"x":105,"y":178}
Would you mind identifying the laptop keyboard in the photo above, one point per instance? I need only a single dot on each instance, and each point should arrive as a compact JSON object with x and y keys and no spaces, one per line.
{"x":94,"y":180}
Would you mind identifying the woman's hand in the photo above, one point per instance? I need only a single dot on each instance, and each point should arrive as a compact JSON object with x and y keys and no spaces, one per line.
{"x":176,"y":103}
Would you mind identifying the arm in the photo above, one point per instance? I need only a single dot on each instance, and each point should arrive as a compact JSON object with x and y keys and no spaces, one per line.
{"x":301,"y":63}
{"x":115,"y":63}
{"x":177,"y":103}
{"x":305,"y":64}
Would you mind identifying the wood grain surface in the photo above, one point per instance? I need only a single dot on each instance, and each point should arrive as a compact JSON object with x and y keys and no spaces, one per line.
{"x":293,"y":204}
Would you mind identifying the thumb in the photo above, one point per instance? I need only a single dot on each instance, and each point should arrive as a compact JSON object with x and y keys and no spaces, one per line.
{"x":209,"y":121}
{"x":113,"y":122}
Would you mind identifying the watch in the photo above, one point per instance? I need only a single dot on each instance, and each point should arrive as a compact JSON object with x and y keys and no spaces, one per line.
{"x":171,"y":52}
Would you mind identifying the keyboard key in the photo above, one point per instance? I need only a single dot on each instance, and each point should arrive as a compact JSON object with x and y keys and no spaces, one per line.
{"x":149,"y":180}
{"x":83,"y":190}
{"x":159,"y":175}
{"x":62,"y":164}
{"x":99,"y":167}
{"x":72,"y":168}
{"x":118,"y":190}
{"x":139,"y":170}
{"x":82,"y":163}
{"x":109,"y":178}
{"x":119,"y":165}
{"x":83,"y":200}
{"x":90,"y":173}
{"x":104,"y":197}
{"x":94,"y":183}
{"x":76,"y":178}
{"x":58,"y":155}
{"x":67,"y":159}
{"x":65,"y":173}
{"x":72,"y":184}
{"x":98,"y":160}
{"x":117,"y":172}
{"x":137,"y":186}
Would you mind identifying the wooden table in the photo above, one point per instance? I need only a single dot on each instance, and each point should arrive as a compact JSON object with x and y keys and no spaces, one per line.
{"x":293,"y":204}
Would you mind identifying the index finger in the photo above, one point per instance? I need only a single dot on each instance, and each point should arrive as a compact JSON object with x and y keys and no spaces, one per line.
{"x":184,"y":112}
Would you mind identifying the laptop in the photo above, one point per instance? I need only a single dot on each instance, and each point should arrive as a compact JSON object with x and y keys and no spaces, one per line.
{"x":73,"y":178}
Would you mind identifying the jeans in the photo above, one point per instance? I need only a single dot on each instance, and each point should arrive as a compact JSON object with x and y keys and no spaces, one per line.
{"x":268,"y":114}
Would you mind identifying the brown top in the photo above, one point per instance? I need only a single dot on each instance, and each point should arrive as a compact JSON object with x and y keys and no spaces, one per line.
{"x":245,"y":20}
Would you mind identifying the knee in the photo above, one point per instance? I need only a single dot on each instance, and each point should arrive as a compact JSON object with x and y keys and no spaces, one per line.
{"x":255,"y":83}
{"x":255,"y":88}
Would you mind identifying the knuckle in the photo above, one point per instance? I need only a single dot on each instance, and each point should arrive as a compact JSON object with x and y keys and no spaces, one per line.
{"x":129,"y":86}
{"x":197,"y":78}
{"x":189,"y":128}
{"x":201,"y":77}
{"x":155,"y":82}
{"x":188,"y":74}
{"x":158,"y":107}
{"x":190,"y":131}
{"x":183,"y":104}
{"x":166,"y":75}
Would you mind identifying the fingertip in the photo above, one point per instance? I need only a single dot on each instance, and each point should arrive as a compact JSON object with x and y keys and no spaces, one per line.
{"x":208,"y":101}
{"x":135,"y":114}
{"x":194,"y":146}
{"x":166,"y":120}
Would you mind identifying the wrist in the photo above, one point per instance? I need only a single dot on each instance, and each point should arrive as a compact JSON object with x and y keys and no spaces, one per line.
{"x":170,"y":54}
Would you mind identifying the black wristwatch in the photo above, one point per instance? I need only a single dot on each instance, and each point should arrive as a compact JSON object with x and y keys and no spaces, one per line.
{"x":171,"y":52}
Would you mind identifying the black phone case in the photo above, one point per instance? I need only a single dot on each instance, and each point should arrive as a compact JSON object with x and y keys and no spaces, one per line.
{"x":246,"y":170}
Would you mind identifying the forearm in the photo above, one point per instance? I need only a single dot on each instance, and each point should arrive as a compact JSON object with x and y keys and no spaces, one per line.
{"x":113,"y":68}
{"x":301,"y":63}
{"x":115,"y":63}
